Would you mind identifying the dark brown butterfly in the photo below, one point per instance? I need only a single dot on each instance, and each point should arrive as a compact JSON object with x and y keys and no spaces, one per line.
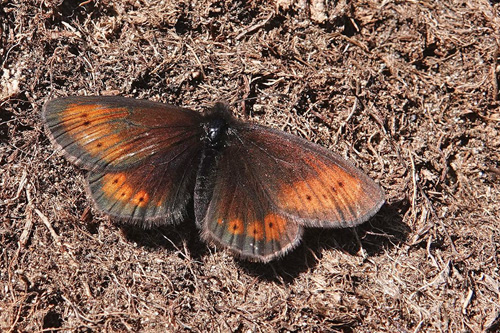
{"x":254,"y":188}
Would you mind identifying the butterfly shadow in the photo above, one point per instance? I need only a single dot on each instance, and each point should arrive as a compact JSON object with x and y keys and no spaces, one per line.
{"x":182,"y":239}
{"x":384,"y":231}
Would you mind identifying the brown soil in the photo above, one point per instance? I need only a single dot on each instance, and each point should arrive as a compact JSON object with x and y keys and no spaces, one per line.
{"x":408,"y":90}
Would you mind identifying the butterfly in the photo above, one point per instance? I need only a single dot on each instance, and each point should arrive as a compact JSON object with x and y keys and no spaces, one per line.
{"x":253,"y":188}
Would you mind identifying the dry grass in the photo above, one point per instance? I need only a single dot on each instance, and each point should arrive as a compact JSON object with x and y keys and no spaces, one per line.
{"x":408,"y":90}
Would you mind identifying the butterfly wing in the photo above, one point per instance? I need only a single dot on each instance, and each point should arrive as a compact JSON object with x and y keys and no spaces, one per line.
{"x":155,"y":191}
{"x":268,"y":184}
{"x":233,"y":209}
{"x":142,"y":155}
{"x":114,"y":133}
{"x":315,"y":186}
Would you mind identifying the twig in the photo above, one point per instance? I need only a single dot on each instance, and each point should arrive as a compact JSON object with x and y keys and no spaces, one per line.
{"x":45,"y":221}
{"x":23,"y":239}
{"x":467,"y":301}
{"x":254,"y":27}
{"x":344,"y":123}
{"x":57,"y":238}
{"x":77,"y":311}
{"x":494,"y":72}
{"x":414,"y":179}
{"x":197,"y":59}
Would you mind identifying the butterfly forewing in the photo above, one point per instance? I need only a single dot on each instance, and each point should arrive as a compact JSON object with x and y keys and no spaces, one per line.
{"x":114,"y":133}
{"x":307,"y":182}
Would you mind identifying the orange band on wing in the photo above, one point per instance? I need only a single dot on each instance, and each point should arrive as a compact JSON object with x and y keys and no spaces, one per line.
{"x":330,"y":189}
{"x":115,"y":186}
{"x":236,"y":227}
{"x":275,"y":227}
{"x":74,"y":114}
{"x":112,"y":182}
{"x":141,"y":198}
{"x":85,"y":116}
{"x":124,"y":193}
{"x":97,"y":120}
{"x":256,"y":230}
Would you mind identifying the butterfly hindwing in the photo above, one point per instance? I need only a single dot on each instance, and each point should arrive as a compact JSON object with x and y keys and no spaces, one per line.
{"x":235,"y":212}
{"x":156,"y":191}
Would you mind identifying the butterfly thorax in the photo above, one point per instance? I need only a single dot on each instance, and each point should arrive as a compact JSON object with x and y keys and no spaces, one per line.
{"x":217,"y":124}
